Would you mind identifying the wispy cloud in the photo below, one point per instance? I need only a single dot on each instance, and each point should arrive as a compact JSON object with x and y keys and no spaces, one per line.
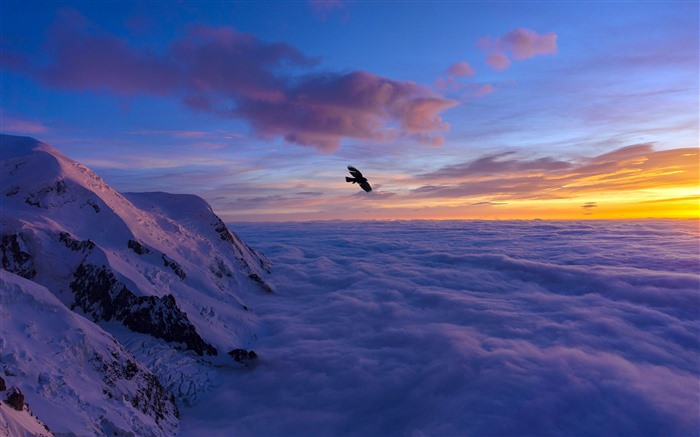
{"x":499,"y":185}
{"x":324,"y":8}
{"x":506,"y":176}
{"x":227,"y":73}
{"x":461,"y":69}
{"x":518,"y":44}
{"x":10,"y":123}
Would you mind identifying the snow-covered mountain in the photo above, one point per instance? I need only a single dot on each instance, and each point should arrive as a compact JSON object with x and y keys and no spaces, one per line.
{"x":156,"y":281}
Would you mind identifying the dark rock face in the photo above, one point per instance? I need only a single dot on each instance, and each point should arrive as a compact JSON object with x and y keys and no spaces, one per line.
{"x":15,"y":256}
{"x":222,"y":230}
{"x":15,"y":399}
{"x":242,"y":355}
{"x":151,"y":397}
{"x":54,"y":194}
{"x":3,"y":386}
{"x":256,"y":278}
{"x":99,"y":294}
{"x":174,"y":266}
{"x":75,"y":245}
{"x":12,"y":191}
{"x":138,"y":247}
{"x":94,"y":206}
{"x":220,"y":269}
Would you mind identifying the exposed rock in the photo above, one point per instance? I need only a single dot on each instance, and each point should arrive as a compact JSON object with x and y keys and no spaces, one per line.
{"x":3,"y":386}
{"x":220,"y":269}
{"x":151,"y":397}
{"x":94,"y":205}
{"x":55,"y":194}
{"x":242,"y":355}
{"x":174,"y":266}
{"x":256,"y":278}
{"x":138,"y":247}
{"x":13,"y":191}
{"x":99,"y":294}
{"x":16,"y":257}
{"x":15,"y":399}
{"x":74,"y":244}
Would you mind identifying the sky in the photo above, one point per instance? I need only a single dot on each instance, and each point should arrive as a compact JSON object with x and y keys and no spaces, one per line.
{"x":452,"y":109}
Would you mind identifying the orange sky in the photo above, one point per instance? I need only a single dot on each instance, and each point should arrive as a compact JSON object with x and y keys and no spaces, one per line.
{"x":629,"y":183}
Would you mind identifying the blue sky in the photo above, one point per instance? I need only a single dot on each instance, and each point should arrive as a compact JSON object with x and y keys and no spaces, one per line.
{"x":259,"y":106}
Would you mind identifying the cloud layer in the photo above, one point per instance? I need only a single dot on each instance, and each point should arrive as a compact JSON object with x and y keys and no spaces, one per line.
{"x":219,"y":70}
{"x":469,"y":328}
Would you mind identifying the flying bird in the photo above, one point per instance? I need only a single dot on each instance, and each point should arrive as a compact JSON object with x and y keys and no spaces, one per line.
{"x":358,"y":178}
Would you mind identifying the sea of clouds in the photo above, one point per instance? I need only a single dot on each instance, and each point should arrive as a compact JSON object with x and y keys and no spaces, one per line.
{"x":479,"y":328}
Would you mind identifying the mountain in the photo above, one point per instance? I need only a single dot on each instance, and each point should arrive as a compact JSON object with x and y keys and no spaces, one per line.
{"x":156,"y":283}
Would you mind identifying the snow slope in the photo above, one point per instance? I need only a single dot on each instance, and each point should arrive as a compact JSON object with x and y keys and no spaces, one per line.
{"x":160,"y":272}
{"x":75,"y":376}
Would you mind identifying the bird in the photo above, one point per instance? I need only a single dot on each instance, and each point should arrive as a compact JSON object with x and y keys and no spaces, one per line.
{"x":358,"y":178}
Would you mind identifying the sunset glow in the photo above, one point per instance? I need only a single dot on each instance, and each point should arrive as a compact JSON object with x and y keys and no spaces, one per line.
{"x":570,"y":110}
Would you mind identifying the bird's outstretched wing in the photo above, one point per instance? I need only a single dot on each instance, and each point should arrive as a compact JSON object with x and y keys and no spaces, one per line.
{"x":358,"y":179}
{"x":355,"y":172}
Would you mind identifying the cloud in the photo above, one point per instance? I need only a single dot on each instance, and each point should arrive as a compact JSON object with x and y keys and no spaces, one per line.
{"x":495,"y":164}
{"x":322,"y":110}
{"x":224,"y":72}
{"x":468,"y":328}
{"x":507,"y":176}
{"x":324,"y":8}
{"x":526,"y":43}
{"x":461,"y":69}
{"x":14,"y":124}
{"x":518,"y":44}
{"x":498,"y":61}
{"x":457,"y":79}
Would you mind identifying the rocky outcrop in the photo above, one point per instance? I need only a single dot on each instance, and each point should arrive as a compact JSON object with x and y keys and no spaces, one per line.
{"x":16,"y":257}
{"x":137,"y":247}
{"x":243,"y":355}
{"x":151,"y":398}
{"x":75,"y":245}
{"x":99,"y":294}
{"x":174,"y":266}
{"x":15,"y":399}
{"x":54,"y":194}
{"x":257,"y":279}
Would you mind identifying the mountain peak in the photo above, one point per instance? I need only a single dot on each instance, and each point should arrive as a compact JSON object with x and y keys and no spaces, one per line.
{"x":13,"y":146}
{"x":160,"y":272}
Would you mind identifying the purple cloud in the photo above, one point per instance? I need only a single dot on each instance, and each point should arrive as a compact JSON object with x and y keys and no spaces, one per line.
{"x":496,"y":163}
{"x":506,"y":176}
{"x":519,"y":44}
{"x":322,"y":110}
{"x":461,"y":69}
{"x":323,"y":8}
{"x":232,"y":74}
{"x":470,"y":328}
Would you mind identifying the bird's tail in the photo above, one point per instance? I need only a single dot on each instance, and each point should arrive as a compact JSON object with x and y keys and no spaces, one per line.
{"x":347,"y":179}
